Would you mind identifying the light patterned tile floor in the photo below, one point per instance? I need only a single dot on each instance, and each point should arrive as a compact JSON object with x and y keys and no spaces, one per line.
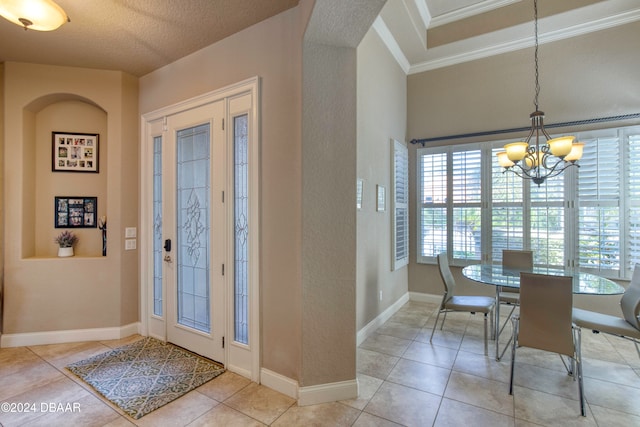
{"x":403,"y":380}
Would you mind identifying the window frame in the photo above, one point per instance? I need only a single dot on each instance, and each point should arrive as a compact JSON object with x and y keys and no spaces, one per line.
{"x":566,"y":206}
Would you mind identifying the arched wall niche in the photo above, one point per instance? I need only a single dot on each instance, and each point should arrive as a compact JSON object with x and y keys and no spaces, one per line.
{"x":59,"y":112}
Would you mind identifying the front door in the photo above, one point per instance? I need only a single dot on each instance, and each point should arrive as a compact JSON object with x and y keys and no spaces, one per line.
{"x":200,"y":252}
{"x":194,"y":229}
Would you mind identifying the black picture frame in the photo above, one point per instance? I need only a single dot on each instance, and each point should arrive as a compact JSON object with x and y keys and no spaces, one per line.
{"x":75,"y":152}
{"x":75,"y":212}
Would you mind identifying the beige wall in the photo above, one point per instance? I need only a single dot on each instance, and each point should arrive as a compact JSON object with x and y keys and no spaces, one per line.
{"x":586,"y":77}
{"x":2,"y":180}
{"x":382,"y":112}
{"x":43,"y":292}
{"x":329,"y":161}
{"x":270,"y":50}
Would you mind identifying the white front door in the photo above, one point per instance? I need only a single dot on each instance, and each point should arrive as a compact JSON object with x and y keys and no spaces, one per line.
{"x":194,"y":229}
{"x":200,"y":254}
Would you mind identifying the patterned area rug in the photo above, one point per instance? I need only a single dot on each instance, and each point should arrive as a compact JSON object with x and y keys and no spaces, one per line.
{"x":143,"y":376}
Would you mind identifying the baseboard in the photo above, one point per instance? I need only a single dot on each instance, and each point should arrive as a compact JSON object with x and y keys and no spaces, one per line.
{"x":238,"y":370}
{"x":311,"y":395}
{"x":279,"y":383}
{"x":370,"y":327}
{"x":59,"y":337}
{"x":324,"y":393}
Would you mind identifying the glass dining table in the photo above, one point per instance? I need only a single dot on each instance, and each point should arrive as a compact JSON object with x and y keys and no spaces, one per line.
{"x":498,"y":276}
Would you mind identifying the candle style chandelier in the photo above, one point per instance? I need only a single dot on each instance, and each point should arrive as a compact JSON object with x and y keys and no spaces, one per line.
{"x":536,"y":158}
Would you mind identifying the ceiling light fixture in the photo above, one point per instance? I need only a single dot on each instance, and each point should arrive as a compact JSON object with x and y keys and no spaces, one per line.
{"x":39,"y":15}
{"x":538,"y":160}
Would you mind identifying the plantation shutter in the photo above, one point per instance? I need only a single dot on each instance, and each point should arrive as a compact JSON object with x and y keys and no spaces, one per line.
{"x":431,"y":199}
{"x":467,"y":205}
{"x":599,"y":204}
{"x":507,"y":214}
{"x":400,"y":198}
{"x":632,"y":197}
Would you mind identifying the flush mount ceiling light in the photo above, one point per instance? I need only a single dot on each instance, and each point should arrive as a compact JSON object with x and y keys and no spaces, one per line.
{"x":543,"y":157}
{"x":39,"y":15}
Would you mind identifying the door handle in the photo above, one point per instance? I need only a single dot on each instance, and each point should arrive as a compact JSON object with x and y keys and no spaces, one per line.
{"x":167,"y":245}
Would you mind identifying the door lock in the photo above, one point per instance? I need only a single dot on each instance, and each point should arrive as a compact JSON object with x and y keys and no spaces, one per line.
{"x":167,"y":258}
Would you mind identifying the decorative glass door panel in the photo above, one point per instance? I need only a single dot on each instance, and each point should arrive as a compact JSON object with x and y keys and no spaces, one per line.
{"x":193,"y":248}
{"x":241,"y":213}
{"x":157,"y":226}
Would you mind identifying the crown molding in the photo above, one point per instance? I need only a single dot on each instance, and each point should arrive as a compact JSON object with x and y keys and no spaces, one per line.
{"x":389,"y":41}
{"x":471,"y":10}
{"x":484,"y":46}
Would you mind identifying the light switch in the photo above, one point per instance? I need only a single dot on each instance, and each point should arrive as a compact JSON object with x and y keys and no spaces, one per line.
{"x":130,"y":232}
{"x":129,"y":244}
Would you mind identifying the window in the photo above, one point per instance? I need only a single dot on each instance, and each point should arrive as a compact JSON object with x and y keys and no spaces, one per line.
{"x":587,"y":217}
{"x":400,"y":201}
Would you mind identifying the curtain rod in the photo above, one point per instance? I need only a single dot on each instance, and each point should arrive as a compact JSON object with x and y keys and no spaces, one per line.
{"x":525,"y":128}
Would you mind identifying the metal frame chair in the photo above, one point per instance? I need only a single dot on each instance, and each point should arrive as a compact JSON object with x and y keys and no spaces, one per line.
{"x":471,"y":304}
{"x":517,"y":261}
{"x":628,"y":326}
{"x":544,"y":323}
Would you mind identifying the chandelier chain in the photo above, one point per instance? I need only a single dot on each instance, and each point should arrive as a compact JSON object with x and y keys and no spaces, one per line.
{"x":535,"y":21}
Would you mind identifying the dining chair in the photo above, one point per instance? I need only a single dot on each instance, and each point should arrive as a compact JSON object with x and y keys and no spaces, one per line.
{"x":516,"y":260}
{"x":465,"y":303}
{"x":627,"y":326}
{"x":544,"y":323}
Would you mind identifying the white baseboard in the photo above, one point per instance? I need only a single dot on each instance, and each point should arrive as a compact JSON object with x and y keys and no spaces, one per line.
{"x":59,"y":337}
{"x":324,"y":393}
{"x":311,"y":395}
{"x":238,"y":370}
{"x":370,"y":327}
{"x":279,"y":383}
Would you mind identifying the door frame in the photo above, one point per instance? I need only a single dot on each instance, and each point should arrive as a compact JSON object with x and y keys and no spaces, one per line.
{"x":244,"y":359}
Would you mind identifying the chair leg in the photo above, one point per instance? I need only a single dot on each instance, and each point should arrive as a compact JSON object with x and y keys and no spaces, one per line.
{"x":577,"y":343}
{"x":444,"y":318}
{"x":486,"y":344}
{"x":514,"y":339}
{"x":493,"y":320}
{"x":436,"y":324}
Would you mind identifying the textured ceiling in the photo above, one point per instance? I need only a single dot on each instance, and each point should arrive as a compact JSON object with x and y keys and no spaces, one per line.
{"x":139,"y":36}
{"x":136,"y":36}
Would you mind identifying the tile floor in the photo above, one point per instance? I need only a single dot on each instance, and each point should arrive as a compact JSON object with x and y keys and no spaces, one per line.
{"x":403,"y":380}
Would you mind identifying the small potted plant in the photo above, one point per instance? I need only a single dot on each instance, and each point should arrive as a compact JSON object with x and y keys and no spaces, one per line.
{"x":65,"y":241}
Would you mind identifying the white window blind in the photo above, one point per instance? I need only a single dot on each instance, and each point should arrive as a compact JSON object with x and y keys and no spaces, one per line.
{"x":507,"y":212}
{"x":400,"y":208}
{"x":432,"y":195}
{"x":587,"y":217}
{"x":547,"y":228}
{"x":467,"y":204}
{"x":599,"y":204}
{"x":632,"y":198}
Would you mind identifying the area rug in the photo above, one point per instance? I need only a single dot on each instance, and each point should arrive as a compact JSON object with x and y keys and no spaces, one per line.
{"x":143,"y":376}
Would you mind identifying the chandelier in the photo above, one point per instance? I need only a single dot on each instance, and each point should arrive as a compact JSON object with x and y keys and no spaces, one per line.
{"x":539,"y":156}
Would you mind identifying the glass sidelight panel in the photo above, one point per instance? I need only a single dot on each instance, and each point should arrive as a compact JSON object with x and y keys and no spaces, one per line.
{"x":157,"y":226}
{"x":193,"y":226}
{"x":241,"y":229}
